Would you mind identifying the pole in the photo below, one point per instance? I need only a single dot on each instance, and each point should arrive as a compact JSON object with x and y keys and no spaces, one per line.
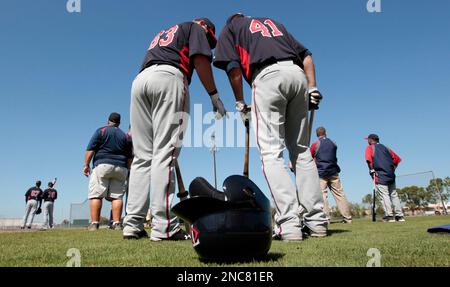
{"x":440,"y":194}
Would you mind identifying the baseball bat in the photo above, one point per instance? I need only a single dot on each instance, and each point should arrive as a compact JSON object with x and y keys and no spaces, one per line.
{"x":182,"y":193}
{"x":311,"y":122}
{"x":54,"y":181}
{"x":247,"y":145}
{"x":374,"y":214}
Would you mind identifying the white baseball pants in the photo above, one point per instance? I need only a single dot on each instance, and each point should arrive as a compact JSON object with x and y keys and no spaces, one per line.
{"x":389,"y":199}
{"x":48,"y":214}
{"x":280,"y":120}
{"x":30,"y":209}
{"x":159,"y":115}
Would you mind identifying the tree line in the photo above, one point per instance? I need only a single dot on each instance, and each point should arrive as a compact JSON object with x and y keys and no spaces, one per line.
{"x":415,"y":198}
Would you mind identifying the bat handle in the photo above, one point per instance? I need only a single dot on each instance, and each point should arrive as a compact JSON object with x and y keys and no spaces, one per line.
{"x":182,"y":195}
{"x":311,"y":122}
{"x":247,"y":145}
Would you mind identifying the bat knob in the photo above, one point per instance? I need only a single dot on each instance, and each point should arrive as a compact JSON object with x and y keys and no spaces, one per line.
{"x":183,"y":195}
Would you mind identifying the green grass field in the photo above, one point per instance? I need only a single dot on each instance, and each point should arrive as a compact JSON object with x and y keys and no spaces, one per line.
{"x":400,"y":244}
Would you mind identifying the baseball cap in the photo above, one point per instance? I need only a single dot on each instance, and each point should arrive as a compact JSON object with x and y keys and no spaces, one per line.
{"x":50,"y":184}
{"x":235,"y":15}
{"x":38,"y":183}
{"x":372,"y":137}
{"x":114,"y":117}
{"x":211,"y":31}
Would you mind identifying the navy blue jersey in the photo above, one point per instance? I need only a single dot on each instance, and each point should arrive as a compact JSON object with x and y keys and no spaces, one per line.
{"x":324,"y":153}
{"x":255,"y":42}
{"x":111,"y":145}
{"x":176,"y":46}
{"x":33,"y":193}
{"x":383,"y":164}
{"x":384,"y":161}
{"x":50,"y":194}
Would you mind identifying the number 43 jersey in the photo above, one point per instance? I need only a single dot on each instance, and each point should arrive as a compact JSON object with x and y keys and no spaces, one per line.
{"x":256,"y":42}
{"x":176,"y":46}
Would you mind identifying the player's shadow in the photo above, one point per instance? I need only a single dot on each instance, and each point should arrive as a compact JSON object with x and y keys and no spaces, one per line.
{"x":270,"y":257}
{"x":336,"y":231}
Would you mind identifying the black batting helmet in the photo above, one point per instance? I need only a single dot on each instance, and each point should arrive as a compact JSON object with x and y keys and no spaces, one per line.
{"x":233,"y":224}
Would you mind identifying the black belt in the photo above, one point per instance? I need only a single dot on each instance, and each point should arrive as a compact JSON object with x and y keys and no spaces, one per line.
{"x":261,"y":66}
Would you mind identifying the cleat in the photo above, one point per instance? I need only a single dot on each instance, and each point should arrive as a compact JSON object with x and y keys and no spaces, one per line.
{"x":138,"y":235}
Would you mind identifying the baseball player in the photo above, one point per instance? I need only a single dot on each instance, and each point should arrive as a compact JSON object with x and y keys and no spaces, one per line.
{"x":323,"y":152}
{"x":159,"y":115}
{"x":49,"y":196}
{"x":382,"y":162}
{"x":111,"y":152}
{"x":281,"y":73}
{"x":33,"y":200}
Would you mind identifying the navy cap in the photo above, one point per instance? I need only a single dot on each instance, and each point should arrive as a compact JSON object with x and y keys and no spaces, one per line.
{"x":372,"y":137}
{"x":114,"y":118}
{"x":211,"y":31}
{"x":234,"y":16}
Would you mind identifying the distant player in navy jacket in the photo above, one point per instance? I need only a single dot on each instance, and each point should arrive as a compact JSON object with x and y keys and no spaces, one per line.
{"x":324,"y":154}
{"x":382,"y":162}
{"x":110,"y":149}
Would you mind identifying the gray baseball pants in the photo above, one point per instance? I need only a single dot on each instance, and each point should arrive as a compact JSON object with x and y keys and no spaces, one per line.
{"x":280,"y":120}
{"x":30,"y":209}
{"x":389,"y":198}
{"x":159,"y":116}
{"x":48,"y":213}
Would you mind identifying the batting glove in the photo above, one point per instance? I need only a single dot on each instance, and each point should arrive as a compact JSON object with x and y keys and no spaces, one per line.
{"x":314,"y":98}
{"x":218,"y":107}
{"x":244,"y":110}
{"x":372,"y":173}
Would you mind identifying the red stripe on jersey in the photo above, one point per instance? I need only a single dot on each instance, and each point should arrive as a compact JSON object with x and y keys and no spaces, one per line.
{"x":185,"y":61}
{"x":245,"y":60}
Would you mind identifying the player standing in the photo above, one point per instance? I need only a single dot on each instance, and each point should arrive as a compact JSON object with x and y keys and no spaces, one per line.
{"x":281,"y":73}
{"x":324,"y":151}
{"x":33,"y":199}
{"x":159,"y":116}
{"x":382,"y":162}
{"x":49,"y":196}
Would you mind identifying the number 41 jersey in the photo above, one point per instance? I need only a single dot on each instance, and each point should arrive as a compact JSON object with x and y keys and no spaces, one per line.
{"x":255,"y":42}
{"x":176,"y":46}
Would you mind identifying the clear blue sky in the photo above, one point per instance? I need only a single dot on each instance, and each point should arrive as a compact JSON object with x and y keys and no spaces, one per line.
{"x":61,"y":75}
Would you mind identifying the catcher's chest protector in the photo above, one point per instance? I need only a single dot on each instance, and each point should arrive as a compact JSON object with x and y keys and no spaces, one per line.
{"x":235,"y":223}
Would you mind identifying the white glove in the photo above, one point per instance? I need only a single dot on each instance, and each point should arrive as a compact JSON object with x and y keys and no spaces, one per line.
{"x":218,"y":107}
{"x":244,"y":110}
